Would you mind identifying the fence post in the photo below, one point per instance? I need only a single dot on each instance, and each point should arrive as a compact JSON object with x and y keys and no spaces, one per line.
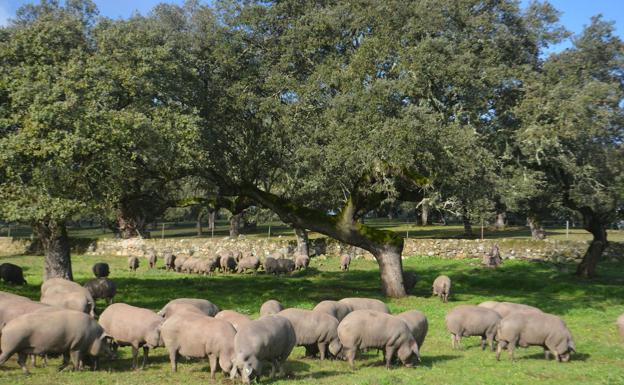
{"x":567,"y":229}
{"x":407,"y":234}
{"x":162,"y":231}
{"x":269,"y":233}
{"x":481,"y":228}
{"x":9,"y":231}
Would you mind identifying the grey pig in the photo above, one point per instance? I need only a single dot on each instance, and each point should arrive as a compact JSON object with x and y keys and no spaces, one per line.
{"x":170,"y":260}
{"x":302,"y":261}
{"x":235,"y":318}
{"x":335,"y":309}
{"x":133,"y":263}
{"x":248,"y":263}
{"x":314,"y":330}
{"x":365,"y":303}
{"x":68,"y":332}
{"x":133,"y":326}
{"x":472,"y":320}
{"x":268,"y":339}
{"x":13,"y":274}
{"x":63,"y":293}
{"x":506,"y":308}
{"x":100,"y":270}
{"x":101,"y":288}
{"x":151,"y":259}
{"x":285,"y":265}
{"x":270,"y":307}
{"x":363,"y":329}
{"x":179,"y":262}
{"x":535,"y":329}
{"x":345,"y":261}
{"x":196,"y":335}
{"x":417,"y":323}
{"x":204,"y":306}
{"x":270,"y":265}
{"x":228,"y":263}
{"x":442,"y":287}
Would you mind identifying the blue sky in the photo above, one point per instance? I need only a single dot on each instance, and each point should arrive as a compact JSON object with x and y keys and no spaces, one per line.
{"x":576,"y":13}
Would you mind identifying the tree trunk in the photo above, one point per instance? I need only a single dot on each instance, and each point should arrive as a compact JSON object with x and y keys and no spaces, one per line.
{"x":424,"y":214}
{"x":131,"y":225}
{"x":500,"y":220}
{"x":211,"y":220}
{"x":587,"y":267}
{"x":235,"y":224}
{"x":388,"y":257}
{"x":467,"y":226}
{"x":199,"y":224}
{"x":302,"y":241}
{"x":537,"y":230}
{"x":53,"y":237}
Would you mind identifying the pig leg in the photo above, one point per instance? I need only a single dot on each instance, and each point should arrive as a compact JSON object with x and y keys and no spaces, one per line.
{"x":546,"y":354}
{"x":173,"y":357}
{"x":65,"y":362}
{"x":212,"y":358}
{"x":75,"y":359}
{"x":33,"y":360}
{"x":389,"y":353}
{"x":482,"y":343}
{"x":511,"y":348}
{"x":322,"y":347}
{"x":499,"y":349}
{"x":145,"y":356}
{"x":350,"y":355}
{"x":135,"y":357}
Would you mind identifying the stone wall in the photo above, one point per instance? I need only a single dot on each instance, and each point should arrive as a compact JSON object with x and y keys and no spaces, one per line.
{"x":552,"y":250}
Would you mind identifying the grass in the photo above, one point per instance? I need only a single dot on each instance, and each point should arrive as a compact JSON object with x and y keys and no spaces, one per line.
{"x":589,"y":308}
{"x":279,"y":229}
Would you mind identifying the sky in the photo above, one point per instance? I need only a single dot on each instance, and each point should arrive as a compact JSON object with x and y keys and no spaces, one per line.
{"x":575,"y":13}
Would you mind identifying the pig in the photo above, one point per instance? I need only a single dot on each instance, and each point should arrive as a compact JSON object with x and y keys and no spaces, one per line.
{"x":409,"y":281}
{"x":345,"y":261}
{"x":506,"y":308}
{"x":10,"y":296}
{"x":101,"y":270}
{"x":270,"y":265}
{"x":67,"y":294}
{"x":302,"y":261}
{"x":417,"y":323}
{"x":442,"y":287}
{"x":189,"y":264}
{"x":235,"y":318}
{"x":314,"y":330}
{"x":213,"y":264}
{"x":68,"y":332}
{"x":179,"y":262}
{"x":133,"y":263}
{"x":285,"y":266}
{"x":13,"y":308}
{"x":269,"y":339}
{"x":101,"y":288}
{"x":535,"y":329}
{"x":228,"y":263}
{"x":620,"y":324}
{"x":365,"y":303}
{"x":270,"y":307}
{"x":363,"y":329}
{"x":169,"y":261}
{"x":335,"y":309}
{"x":248,"y":263}
{"x":152,"y":258}
{"x":12,"y":274}
{"x":472,"y":320}
{"x":196,"y":335}
{"x":238,"y":255}
{"x":133,"y":326}
{"x":204,"y":306}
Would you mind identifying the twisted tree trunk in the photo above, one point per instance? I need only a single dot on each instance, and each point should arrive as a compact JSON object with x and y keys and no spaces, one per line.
{"x":53,"y":237}
{"x":235,"y":224}
{"x":537,"y":230}
{"x":302,"y":241}
{"x":593,"y":224}
{"x":199,"y":224}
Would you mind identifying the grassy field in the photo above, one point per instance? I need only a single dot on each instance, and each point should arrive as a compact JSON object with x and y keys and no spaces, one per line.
{"x":589,"y":308}
{"x":279,"y":229}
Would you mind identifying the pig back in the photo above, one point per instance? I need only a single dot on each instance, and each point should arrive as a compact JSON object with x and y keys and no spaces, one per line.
{"x":270,"y":337}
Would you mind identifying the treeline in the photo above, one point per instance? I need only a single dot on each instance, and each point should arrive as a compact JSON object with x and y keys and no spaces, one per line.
{"x":318,"y":111}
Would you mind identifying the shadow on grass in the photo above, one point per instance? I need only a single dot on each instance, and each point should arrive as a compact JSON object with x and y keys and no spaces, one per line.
{"x":540,"y":356}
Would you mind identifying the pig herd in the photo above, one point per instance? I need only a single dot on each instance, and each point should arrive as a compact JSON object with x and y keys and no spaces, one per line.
{"x":63,"y":323}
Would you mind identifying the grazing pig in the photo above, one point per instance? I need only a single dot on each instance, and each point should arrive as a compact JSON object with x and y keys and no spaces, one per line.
{"x":189,"y":264}
{"x":345,"y":261}
{"x":316,"y":331}
{"x":235,"y":318}
{"x":102,"y":288}
{"x":620,"y":324}
{"x":13,"y":274}
{"x":302,"y":261}
{"x":133,"y":326}
{"x":363,"y":329}
{"x":179,"y":262}
{"x":270,"y":265}
{"x":13,"y":308}
{"x":169,"y":261}
{"x":269,"y":339}
{"x":101,"y":270}
{"x":133,"y":263}
{"x":213,"y":264}
{"x":270,"y":307}
{"x":365,"y":303}
{"x":506,"y":308}
{"x":409,"y":281}
{"x":335,"y":309}
{"x":442,"y":287}
{"x":535,"y":329}
{"x":70,"y":295}
{"x":285,"y":266}
{"x":5,"y":295}
{"x":417,"y":323}
{"x":472,"y":320}
{"x":71,"y":333}
{"x":204,"y":306}
{"x":196,"y":335}
{"x":248,"y":263}
{"x":228,"y":263}
{"x":152,"y":258}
